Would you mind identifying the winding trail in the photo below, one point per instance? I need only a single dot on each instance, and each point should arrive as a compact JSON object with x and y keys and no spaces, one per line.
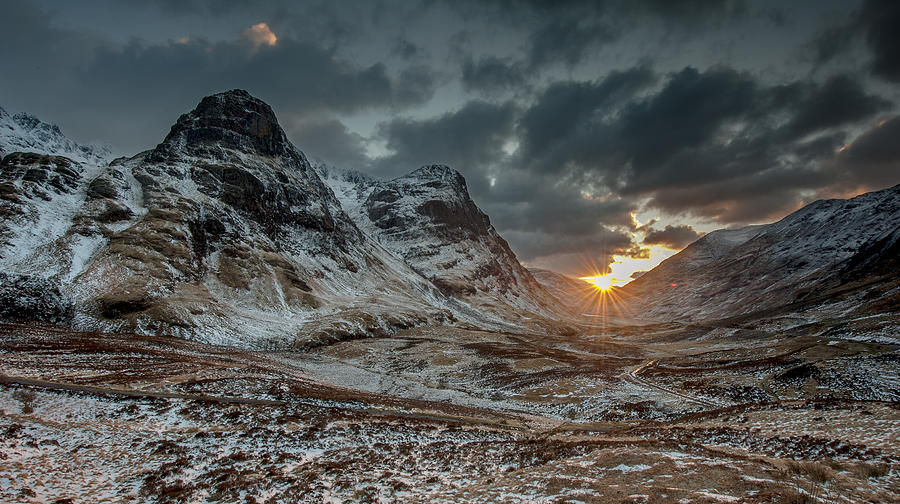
{"x":632,"y":376}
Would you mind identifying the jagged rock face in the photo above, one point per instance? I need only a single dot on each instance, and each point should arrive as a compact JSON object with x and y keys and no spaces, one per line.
{"x":231,"y":149}
{"x":428,"y":218}
{"x":440,"y":201}
{"x":24,"y":297}
{"x":728,"y":273}
{"x":34,"y":174}
{"x":233,"y":120}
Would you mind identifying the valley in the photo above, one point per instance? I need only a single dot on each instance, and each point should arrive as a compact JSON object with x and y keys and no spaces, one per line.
{"x":439,"y":414}
{"x":216,"y":319}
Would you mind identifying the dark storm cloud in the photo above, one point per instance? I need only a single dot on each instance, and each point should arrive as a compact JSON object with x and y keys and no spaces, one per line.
{"x":414,"y":86}
{"x":574,"y":255}
{"x":880,"y":19}
{"x":840,"y":100}
{"x":491,"y":74}
{"x":67,"y":76}
{"x":873,"y":157}
{"x":327,"y":140}
{"x":406,"y":49}
{"x":875,"y":25}
{"x":673,"y":237}
{"x":568,"y":38}
{"x":324,"y":22}
{"x":717,"y":143}
{"x":535,"y":203}
{"x":831,"y":42}
{"x":553,"y":130}
{"x":568,"y":32}
{"x":467,"y":139}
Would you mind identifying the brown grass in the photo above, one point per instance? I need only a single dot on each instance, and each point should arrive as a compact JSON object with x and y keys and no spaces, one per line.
{"x":868,"y":470}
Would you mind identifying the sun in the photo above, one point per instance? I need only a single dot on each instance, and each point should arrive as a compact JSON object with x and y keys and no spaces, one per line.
{"x":602,"y":282}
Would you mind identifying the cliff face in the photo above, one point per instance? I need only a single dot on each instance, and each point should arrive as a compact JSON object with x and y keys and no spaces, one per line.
{"x":428,"y":218}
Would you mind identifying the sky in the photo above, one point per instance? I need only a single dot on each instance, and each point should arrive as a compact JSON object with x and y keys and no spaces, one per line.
{"x":591,"y":132}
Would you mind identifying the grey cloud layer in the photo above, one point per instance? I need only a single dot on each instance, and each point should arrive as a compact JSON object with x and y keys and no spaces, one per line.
{"x":519,"y":95}
{"x":139,"y":87}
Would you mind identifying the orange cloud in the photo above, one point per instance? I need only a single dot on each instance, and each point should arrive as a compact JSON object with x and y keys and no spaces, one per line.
{"x":260,"y":34}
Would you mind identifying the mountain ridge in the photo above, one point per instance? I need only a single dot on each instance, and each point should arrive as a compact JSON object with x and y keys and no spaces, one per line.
{"x":225,"y":233}
{"x":729,"y":272}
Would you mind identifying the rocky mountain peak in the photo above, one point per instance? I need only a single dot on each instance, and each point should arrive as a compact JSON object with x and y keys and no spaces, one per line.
{"x":232,"y":119}
{"x":433,"y":197}
{"x":26,"y":133}
{"x":29,"y":122}
{"x":439,"y":178}
{"x":437,"y":172}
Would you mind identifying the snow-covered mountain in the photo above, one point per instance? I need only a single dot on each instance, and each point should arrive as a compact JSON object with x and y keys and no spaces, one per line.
{"x":428,"y":218}
{"x":26,"y":133}
{"x":733,"y":272}
{"x":43,"y":181}
{"x":225,"y":233}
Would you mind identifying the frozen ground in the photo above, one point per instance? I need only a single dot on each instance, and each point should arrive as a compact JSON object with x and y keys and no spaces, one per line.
{"x":446,"y":415}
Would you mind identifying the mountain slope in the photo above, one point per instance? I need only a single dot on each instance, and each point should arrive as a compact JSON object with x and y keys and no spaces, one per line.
{"x":225,"y":233}
{"x":428,"y":218}
{"x":44,"y":179}
{"x":728,"y":273}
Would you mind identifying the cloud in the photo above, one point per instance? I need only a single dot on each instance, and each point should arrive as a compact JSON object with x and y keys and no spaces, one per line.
{"x":873,"y":25}
{"x":129,"y":94}
{"x":568,"y":33}
{"x":879,"y":20}
{"x":830,"y":42}
{"x":328,"y":140}
{"x":562,"y":126}
{"x":491,"y":74}
{"x":259,"y":34}
{"x":469,"y":138}
{"x":718,"y":143}
{"x":872,"y":160}
{"x":415,"y":85}
{"x":673,"y":237}
{"x":406,"y":49}
{"x":840,"y":100}
{"x":576,"y":255}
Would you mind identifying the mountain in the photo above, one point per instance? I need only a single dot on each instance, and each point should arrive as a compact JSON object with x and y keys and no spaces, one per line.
{"x":570,"y":291}
{"x":225,"y":233}
{"x":43,"y":178}
{"x":26,"y":133}
{"x":735,"y":272}
{"x":428,"y":218}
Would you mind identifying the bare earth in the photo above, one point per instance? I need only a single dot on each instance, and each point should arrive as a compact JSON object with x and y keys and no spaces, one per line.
{"x":663,"y":413}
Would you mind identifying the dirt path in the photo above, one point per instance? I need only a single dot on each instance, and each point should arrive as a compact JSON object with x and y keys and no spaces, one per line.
{"x":632,"y":376}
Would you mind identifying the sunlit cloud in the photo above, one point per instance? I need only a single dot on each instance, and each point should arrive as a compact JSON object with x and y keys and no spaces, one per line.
{"x":260,"y":34}
{"x":642,"y":257}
